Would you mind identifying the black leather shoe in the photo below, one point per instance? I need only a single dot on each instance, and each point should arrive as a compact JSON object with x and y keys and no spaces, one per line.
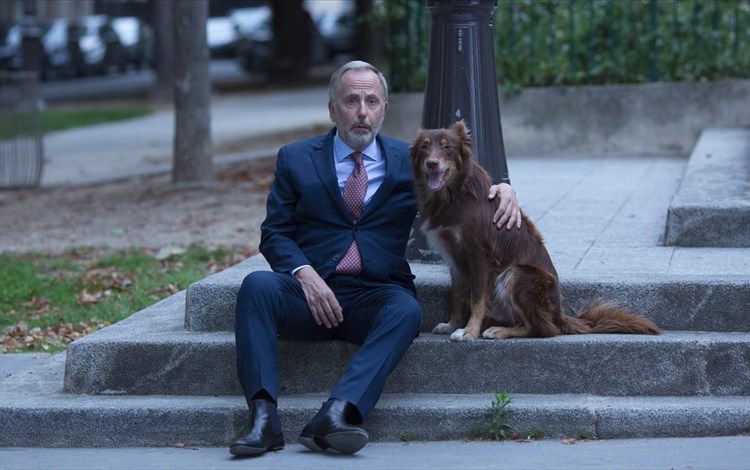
{"x":264,"y":433}
{"x":330,"y":430}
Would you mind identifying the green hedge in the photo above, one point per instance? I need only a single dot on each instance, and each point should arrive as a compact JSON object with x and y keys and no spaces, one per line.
{"x":546,"y":42}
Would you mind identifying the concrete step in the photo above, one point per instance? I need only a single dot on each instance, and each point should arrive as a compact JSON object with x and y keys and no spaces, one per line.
{"x":711,"y":207}
{"x":34,"y":413}
{"x":150,"y":353}
{"x":677,"y":302}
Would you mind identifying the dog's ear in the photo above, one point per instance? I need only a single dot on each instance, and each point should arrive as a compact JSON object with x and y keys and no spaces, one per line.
{"x":461,"y":129}
{"x":415,"y":144}
{"x":464,"y":136}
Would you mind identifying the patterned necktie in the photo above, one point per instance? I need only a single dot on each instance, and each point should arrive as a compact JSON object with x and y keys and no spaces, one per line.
{"x":355,"y":189}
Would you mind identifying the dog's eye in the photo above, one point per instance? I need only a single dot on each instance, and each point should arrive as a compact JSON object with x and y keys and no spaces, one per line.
{"x":447,"y":147}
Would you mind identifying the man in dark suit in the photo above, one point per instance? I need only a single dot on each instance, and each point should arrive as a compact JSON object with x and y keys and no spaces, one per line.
{"x":338,"y":219}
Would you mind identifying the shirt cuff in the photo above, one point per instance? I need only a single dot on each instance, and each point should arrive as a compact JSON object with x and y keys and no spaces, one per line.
{"x":294,"y":271}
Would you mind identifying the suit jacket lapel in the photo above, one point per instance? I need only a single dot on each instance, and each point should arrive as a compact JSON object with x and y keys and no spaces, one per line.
{"x":322,"y":158}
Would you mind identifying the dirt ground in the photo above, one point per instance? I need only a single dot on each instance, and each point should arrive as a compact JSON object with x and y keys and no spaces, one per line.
{"x":144,"y":212}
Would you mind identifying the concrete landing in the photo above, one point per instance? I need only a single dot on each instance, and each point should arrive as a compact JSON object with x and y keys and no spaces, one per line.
{"x":712,"y":205}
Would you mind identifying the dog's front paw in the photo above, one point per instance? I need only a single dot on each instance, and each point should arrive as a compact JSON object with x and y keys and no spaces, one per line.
{"x":462,"y":335}
{"x":495,"y":332}
{"x":443,"y":329}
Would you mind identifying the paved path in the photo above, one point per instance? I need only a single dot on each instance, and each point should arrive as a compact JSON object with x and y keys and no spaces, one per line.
{"x":704,"y":453}
{"x":137,"y":146}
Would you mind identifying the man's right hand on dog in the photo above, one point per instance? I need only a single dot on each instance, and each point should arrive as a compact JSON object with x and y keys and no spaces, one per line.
{"x":323,"y":304}
{"x":508,"y":212}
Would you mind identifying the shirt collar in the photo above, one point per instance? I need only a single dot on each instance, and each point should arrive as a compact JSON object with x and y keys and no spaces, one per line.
{"x":341,"y":150}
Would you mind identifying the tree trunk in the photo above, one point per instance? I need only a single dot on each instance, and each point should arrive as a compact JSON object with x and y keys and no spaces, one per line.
{"x":364,"y":43}
{"x":163,"y":51}
{"x":293,"y":42}
{"x":192,"y":94}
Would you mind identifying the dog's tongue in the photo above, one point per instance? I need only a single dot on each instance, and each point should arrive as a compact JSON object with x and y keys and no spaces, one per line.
{"x":435,"y":180}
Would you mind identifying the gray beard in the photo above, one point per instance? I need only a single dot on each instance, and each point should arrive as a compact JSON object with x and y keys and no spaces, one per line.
{"x":358,"y":141}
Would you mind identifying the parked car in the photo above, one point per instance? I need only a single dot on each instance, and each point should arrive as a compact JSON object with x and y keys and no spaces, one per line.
{"x":137,"y":39}
{"x":10,"y":47}
{"x":95,"y":46}
{"x":57,"y":62}
{"x":255,"y":39}
{"x":255,"y":36}
{"x":337,"y":28}
{"x":221,"y":37}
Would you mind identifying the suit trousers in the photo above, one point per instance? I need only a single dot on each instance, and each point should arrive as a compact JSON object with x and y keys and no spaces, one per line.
{"x":383,"y":318}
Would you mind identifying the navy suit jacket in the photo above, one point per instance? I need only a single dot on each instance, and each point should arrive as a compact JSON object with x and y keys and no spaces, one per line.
{"x":307,"y":221}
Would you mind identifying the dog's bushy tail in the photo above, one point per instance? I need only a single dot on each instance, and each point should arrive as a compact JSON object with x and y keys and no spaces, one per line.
{"x":607,"y":317}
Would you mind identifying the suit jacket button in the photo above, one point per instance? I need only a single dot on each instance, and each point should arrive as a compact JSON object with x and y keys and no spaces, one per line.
{"x":336,"y":257}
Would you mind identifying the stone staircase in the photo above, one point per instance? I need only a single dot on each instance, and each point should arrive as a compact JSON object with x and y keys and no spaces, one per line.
{"x":166,"y":375}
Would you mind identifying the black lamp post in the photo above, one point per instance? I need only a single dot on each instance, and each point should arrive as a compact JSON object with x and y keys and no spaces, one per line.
{"x":461,"y":84}
{"x":461,"y":81}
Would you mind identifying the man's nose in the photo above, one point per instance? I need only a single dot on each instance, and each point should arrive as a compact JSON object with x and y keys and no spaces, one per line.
{"x":362,"y":108}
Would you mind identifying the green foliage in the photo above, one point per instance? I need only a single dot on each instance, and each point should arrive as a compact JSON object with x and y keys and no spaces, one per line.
{"x":498,"y":428}
{"x":571,"y":42}
{"x":48,"y":300}
{"x":406,"y":26}
{"x":544,"y":43}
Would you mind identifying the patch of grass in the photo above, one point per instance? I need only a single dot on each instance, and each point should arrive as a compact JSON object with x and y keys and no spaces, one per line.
{"x":46,"y":300}
{"x":61,"y":119}
{"x":498,"y":428}
{"x":24,"y":124}
{"x":405,"y":437}
{"x":537,"y":434}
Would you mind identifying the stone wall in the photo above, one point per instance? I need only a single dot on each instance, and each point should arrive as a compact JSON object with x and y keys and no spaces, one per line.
{"x":638,"y":119}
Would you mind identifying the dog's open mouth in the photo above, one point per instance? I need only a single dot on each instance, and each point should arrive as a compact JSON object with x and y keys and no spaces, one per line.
{"x":436,"y":179}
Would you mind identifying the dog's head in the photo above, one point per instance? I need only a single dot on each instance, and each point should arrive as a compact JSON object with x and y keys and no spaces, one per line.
{"x":439,"y":155}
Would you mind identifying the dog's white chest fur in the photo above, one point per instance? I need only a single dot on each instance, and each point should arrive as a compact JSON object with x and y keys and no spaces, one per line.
{"x":442,"y":239}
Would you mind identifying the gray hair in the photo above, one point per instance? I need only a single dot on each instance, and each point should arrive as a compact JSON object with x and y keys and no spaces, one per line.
{"x":354,"y":65}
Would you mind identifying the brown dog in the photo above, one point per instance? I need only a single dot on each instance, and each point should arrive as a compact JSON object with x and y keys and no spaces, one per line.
{"x":504,"y":279}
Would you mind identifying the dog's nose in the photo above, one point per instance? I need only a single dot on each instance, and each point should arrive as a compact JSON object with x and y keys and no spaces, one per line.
{"x":432,"y":164}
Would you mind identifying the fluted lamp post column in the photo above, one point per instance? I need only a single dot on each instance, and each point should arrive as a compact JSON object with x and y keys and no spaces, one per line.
{"x":461,"y":84}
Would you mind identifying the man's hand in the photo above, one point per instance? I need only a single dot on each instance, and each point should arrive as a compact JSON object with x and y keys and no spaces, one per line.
{"x":508,"y":212}
{"x":323,"y":304}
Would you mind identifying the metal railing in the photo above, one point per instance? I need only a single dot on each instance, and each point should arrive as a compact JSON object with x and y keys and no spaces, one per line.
{"x":21,"y":135}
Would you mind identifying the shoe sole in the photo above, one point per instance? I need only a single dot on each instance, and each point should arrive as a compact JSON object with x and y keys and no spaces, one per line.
{"x":245,"y":451}
{"x":342,"y":442}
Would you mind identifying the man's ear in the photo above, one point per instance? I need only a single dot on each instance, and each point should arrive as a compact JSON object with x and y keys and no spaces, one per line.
{"x":331,"y":112}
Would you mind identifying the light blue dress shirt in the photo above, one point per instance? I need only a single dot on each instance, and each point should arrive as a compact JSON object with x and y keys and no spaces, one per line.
{"x":373,"y":161}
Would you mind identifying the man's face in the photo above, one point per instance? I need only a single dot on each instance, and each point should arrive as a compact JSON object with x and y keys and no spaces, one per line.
{"x":359,"y":108}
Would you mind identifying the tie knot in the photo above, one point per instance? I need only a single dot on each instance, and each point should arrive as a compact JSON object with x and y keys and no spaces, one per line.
{"x":357,"y":157}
